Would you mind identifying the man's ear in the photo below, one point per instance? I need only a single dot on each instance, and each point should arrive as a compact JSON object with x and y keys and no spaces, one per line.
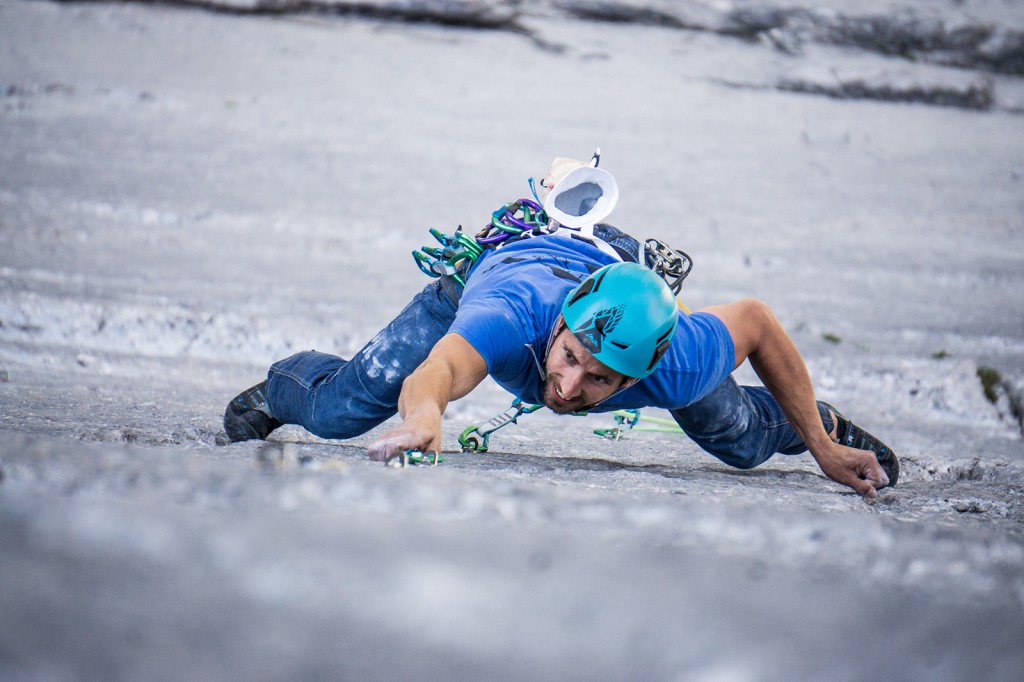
{"x":556,"y":330}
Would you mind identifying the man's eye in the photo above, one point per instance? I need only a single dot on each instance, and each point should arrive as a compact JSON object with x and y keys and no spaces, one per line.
{"x":569,"y":356}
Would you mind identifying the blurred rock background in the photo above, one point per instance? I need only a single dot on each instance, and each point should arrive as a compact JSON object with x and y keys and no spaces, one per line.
{"x":191,"y":191}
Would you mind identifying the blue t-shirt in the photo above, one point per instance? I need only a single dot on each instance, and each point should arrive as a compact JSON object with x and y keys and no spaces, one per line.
{"x":514,"y":296}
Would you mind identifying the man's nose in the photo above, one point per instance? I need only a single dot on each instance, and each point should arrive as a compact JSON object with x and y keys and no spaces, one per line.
{"x":570,"y":384}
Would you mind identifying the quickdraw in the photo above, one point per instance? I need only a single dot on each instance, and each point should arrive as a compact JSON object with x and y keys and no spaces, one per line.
{"x":458,"y":252}
{"x":627,"y":420}
{"x":477,"y":437}
{"x":457,"y":255}
{"x":512,"y":220}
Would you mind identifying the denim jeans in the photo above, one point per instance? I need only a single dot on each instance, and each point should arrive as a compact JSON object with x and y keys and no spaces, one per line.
{"x":743,"y":425}
{"x":336,"y":398}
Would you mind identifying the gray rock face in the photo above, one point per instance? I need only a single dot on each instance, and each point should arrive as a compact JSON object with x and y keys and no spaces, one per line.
{"x":187,"y":196}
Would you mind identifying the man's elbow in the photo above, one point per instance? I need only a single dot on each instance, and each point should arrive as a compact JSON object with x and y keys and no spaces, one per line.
{"x":756,"y":323}
{"x":759,"y":313}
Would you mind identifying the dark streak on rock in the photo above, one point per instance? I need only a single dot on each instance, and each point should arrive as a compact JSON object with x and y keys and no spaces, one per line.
{"x":972,"y":46}
{"x":977,"y":96}
{"x":615,"y":13}
{"x":457,"y":14}
{"x":905,"y":34}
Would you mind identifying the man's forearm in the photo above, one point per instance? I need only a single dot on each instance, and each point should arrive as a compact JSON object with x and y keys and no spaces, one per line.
{"x":421,"y":403}
{"x":426,"y":392}
{"x":452,"y":370}
{"x":779,"y":365}
{"x":759,"y":336}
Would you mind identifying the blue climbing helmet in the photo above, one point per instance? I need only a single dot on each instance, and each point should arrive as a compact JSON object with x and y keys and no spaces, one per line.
{"x":625,"y":315}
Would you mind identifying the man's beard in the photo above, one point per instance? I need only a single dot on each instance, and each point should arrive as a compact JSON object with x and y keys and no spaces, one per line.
{"x":555,"y":404}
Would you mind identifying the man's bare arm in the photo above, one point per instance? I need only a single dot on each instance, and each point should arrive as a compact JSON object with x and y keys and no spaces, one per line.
{"x":453,"y":369}
{"x":760,"y":337}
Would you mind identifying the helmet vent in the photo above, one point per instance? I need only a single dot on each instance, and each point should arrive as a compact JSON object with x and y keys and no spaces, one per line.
{"x":658,"y":352}
{"x":582,"y":290}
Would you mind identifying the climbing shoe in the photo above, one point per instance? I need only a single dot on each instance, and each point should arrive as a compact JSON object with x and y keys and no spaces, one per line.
{"x":853,"y":436}
{"x":248,"y":416}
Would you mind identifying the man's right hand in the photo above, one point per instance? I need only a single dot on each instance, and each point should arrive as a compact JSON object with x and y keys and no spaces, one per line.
{"x":417,"y":432}
{"x":452,"y":370}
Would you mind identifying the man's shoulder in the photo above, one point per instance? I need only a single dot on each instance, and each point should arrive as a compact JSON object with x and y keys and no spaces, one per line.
{"x":539,"y":262}
{"x":497,"y":330}
{"x":699,"y":335}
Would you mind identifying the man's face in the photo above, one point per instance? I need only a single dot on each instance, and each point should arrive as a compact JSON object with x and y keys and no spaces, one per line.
{"x":576,"y":379}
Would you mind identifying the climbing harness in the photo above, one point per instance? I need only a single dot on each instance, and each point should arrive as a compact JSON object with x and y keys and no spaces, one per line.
{"x":526,"y":218}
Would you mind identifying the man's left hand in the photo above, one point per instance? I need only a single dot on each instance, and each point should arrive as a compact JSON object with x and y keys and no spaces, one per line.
{"x":856,"y":468}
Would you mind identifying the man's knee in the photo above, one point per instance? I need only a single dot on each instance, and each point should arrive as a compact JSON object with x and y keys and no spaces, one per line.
{"x":735,"y":454}
{"x":714,"y":425}
{"x":729,"y":436}
{"x":337,"y":427}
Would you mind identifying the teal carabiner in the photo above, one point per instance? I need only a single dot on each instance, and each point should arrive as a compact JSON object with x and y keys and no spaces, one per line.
{"x":402,"y":459}
{"x":628,"y":420}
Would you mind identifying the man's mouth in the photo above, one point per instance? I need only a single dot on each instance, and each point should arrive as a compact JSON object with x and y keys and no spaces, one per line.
{"x":557,"y":401}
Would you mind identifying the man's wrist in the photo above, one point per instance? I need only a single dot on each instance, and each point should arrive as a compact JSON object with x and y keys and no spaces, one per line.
{"x":820,"y":447}
{"x":423,"y":412}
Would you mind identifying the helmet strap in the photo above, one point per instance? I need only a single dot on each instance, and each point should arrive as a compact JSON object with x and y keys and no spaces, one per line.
{"x":556,"y":329}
